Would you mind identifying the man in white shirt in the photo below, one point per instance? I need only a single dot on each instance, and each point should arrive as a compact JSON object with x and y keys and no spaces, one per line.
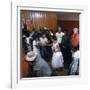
{"x":43,"y":40}
{"x":59,"y":35}
{"x":43,"y":49}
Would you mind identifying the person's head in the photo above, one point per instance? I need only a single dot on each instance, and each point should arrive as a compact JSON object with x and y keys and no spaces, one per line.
{"x":75,"y":30}
{"x":59,"y":29}
{"x":43,"y":35}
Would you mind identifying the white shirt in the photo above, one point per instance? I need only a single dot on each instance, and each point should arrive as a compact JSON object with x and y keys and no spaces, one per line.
{"x":43,"y":41}
{"x":59,"y":36}
{"x":35,"y":48}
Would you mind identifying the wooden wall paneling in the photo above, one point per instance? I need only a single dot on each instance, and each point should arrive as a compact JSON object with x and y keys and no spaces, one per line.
{"x":39,"y":19}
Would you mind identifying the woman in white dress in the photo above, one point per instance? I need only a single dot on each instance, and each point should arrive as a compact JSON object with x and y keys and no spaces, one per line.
{"x":74,"y":67}
{"x":43,"y":49}
{"x":57,"y":58}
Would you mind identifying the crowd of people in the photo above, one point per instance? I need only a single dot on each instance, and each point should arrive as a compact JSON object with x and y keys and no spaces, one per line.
{"x":48,"y":53}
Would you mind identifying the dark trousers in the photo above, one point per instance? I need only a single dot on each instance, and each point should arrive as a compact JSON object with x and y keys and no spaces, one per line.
{"x":67,"y":55}
{"x":44,"y":53}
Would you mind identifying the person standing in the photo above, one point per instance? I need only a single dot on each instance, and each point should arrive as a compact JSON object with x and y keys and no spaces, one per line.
{"x":57,"y":58}
{"x":38,"y":66}
{"x":75,"y":38}
{"x":43,"y":48}
{"x":66,"y":49}
{"x":59,"y":35}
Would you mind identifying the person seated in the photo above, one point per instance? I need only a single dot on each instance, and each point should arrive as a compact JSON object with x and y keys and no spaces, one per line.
{"x":66,"y":49}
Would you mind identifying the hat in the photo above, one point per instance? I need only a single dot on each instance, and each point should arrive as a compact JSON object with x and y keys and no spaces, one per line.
{"x":31,"y":56}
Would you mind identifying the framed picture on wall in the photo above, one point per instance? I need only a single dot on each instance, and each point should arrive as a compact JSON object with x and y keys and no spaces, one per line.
{"x":44,"y":33}
{"x":47,"y":45}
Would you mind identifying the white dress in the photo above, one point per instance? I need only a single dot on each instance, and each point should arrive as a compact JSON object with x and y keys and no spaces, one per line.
{"x":74,"y":65}
{"x":57,"y":58}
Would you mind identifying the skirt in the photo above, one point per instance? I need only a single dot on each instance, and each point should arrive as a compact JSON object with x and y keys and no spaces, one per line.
{"x":57,"y":60}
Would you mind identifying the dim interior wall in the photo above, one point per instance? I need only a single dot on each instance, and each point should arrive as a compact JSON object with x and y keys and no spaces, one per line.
{"x":68,"y":25}
{"x":39,"y":19}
